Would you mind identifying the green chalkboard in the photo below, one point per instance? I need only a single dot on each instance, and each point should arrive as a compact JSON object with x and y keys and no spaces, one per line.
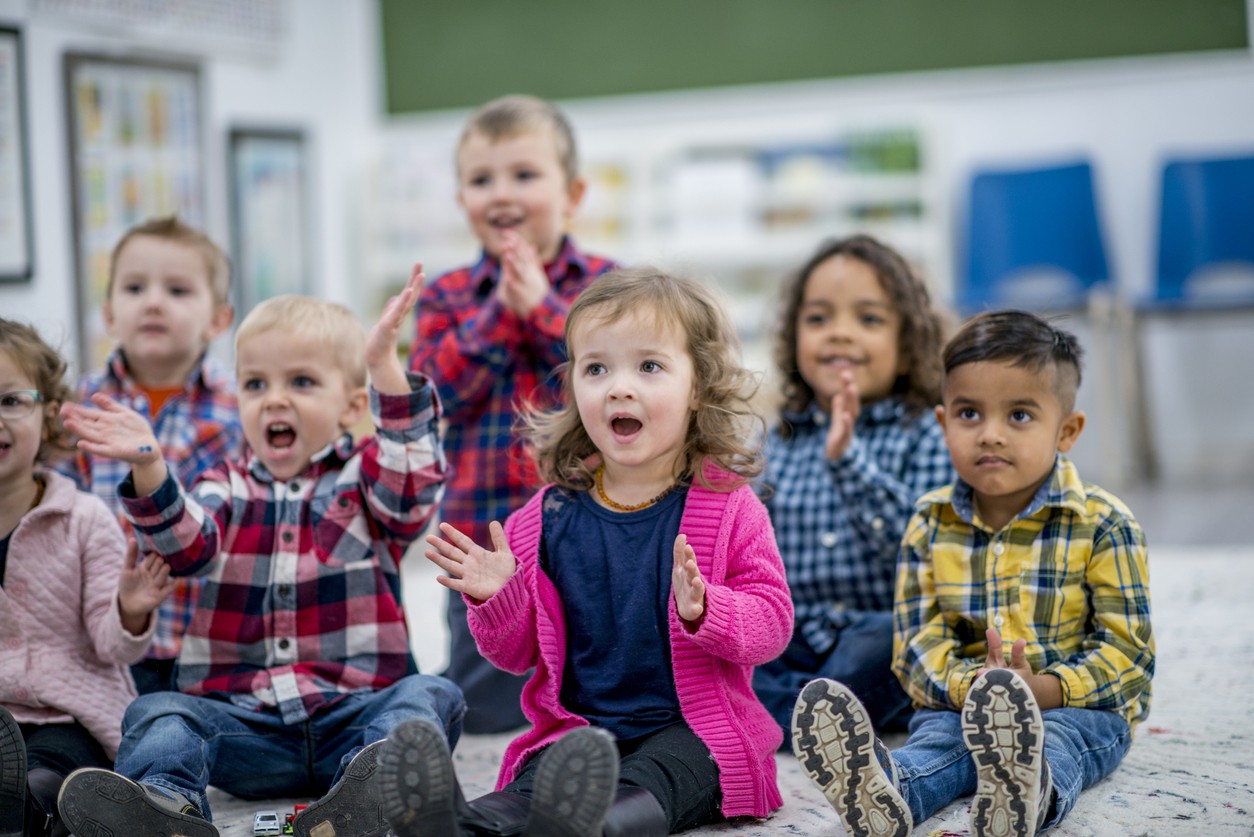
{"x":460,"y":53}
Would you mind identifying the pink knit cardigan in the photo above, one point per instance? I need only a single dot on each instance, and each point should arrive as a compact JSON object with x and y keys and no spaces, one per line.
{"x":63,"y":650}
{"x":748,"y":621}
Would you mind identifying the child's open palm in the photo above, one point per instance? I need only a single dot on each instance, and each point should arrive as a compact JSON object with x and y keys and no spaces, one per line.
{"x":472,"y":570}
{"x":845,"y":407}
{"x":386,"y":373}
{"x":686,"y":583}
{"x":142,"y":586}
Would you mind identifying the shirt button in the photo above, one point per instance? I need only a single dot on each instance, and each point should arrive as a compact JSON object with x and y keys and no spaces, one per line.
{"x":998,"y":620}
{"x":14,"y":643}
{"x":877,"y":524}
{"x":284,"y":644}
{"x":998,"y":548}
{"x":294,"y":485}
{"x":287,"y":537}
{"x":21,"y":694}
{"x":828,"y":539}
{"x":285,"y":590}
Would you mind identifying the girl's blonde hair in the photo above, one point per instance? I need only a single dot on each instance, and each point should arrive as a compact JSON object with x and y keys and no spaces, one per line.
{"x":317,"y":320}
{"x":46,"y":369}
{"x":919,"y":341}
{"x":721,"y":431}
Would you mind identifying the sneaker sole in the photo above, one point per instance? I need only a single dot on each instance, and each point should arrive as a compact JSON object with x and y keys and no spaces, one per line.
{"x":1002,"y":727}
{"x":351,"y":808}
{"x":836,"y":747}
{"x":12,"y":777}
{"x":416,"y":782}
{"x":575,"y":785}
{"x":100,"y":803}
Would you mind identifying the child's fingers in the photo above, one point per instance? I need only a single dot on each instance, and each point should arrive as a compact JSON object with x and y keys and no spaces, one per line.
{"x":499,"y":542}
{"x":450,"y":566}
{"x":132,"y":553}
{"x":456,"y":537}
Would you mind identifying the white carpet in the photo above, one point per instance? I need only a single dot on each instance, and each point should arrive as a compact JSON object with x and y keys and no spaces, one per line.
{"x":1189,"y":772}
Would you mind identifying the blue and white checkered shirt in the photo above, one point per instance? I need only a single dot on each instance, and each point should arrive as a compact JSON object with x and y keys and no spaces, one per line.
{"x":839,"y":524}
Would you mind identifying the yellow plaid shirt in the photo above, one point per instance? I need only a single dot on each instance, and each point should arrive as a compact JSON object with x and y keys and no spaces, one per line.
{"x":1069,"y":574}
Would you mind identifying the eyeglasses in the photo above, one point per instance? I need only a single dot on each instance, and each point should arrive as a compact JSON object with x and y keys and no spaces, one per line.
{"x":18,"y":404}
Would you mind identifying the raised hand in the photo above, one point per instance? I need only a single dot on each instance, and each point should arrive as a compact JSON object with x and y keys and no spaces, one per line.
{"x":386,"y":373}
{"x":120,"y":433}
{"x":524,"y":284}
{"x":142,"y":587}
{"x":686,"y":583}
{"x":996,"y":655}
{"x":845,"y":407}
{"x":470,"y":568}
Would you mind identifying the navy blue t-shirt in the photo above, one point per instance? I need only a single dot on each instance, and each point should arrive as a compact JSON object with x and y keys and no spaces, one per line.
{"x":613,"y":573}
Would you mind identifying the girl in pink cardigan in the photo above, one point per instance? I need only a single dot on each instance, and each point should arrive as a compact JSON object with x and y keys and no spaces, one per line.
{"x":641,"y":587}
{"x":75,"y":608}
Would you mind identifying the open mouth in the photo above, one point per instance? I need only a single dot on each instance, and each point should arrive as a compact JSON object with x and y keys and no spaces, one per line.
{"x":280,"y":436}
{"x":625,"y":425}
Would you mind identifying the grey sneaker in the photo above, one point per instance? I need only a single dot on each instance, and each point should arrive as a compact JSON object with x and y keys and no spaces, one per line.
{"x":575,"y":785}
{"x":1002,"y":727}
{"x":833,"y":739}
{"x":12,"y":776}
{"x":351,"y":808}
{"x":417,"y":787}
{"x":100,"y":803}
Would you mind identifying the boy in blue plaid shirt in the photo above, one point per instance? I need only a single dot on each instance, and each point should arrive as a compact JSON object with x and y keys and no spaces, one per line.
{"x":859,"y":354}
{"x":1018,"y":553}
{"x":168,"y":297}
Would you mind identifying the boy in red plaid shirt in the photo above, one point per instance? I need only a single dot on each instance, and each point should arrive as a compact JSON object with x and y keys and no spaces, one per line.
{"x":296,"y":664}
{"x":490,"y":336}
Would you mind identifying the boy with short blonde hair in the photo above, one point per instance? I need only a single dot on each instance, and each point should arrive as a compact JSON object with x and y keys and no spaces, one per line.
{"x":1017,"y":553}
{"x":491,"y":336}
{"x":168,"y":297}
{"x":297,"y":663}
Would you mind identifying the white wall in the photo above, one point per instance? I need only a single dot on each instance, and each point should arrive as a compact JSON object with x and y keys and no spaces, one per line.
{"x":322,"y":78}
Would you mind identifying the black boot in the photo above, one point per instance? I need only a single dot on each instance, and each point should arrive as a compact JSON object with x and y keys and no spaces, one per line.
{"x":12,"y":776}
{"x":499,"y":814}
{"x":636,"y":813}
{"x":42,"y":819}
{"x":575,"y":785}
{"x":416,"y":785}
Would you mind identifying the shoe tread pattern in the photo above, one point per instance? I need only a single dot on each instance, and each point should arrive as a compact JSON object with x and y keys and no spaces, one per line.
{"x":416,"y":782}
{"x":836,"y":747}
{"x":1002,"y":727}
{"x":575,"y":785}
{"x":100,"y":803}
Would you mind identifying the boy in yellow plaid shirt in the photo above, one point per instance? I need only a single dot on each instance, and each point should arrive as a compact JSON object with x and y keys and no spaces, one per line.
{"x":1022,"y":616}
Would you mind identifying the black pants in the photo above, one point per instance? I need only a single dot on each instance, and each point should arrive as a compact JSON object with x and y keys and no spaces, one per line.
{"x":493,"y":697}
{"x":154,"y":676}
{"x":673,"y":764}
{"x":62,"y":748}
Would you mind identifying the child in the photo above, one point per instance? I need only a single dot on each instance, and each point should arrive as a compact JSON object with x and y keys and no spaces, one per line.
{"x":167,"y":299}
{"x":1020,"y":551}
{"x":296,"y":663}
{"x":75,"y":608}
{"x":490,"y":335}
{"x":858,"y":352}
{"x":642,"y":585}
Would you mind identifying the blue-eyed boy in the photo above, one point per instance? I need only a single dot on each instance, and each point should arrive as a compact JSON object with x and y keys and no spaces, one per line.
{"x":1018,"y":551}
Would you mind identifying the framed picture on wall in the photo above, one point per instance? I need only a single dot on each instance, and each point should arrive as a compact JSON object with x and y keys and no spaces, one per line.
{"x":269,"y":214}
{"x":136,"y":152}
{"x":16,"y":260}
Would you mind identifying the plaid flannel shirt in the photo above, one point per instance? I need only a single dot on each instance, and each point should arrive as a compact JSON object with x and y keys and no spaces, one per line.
{"x":302,"y":597}
{"x":839,"y":524}
{"x":1069,"y":574}
{"x":487,"y":361}
{"x":197,"y":429}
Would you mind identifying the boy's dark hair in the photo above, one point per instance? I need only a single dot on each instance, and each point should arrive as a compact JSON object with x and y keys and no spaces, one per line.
{"x":921,"y":326}
{"x":172,"y":228}
{"x":510,"y":116}
{"x":46,"y":369}
{"x":1022,"y":339}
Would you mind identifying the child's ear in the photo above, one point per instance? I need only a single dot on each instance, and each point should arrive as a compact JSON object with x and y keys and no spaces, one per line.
{"x":574,"y":195}
{"x":223,"y":316}
{"x":106,"y":309}
{"x":356,"y":408}
{"x":1072,"y":427}
{"x":940,"y":415}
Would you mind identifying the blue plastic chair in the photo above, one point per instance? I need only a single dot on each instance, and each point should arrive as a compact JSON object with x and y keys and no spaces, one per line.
{"x":1032,"y":240}
{"x":1206,"y":235}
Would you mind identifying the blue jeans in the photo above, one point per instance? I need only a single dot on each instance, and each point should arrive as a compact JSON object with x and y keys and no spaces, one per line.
{"x":1082,"y":746}
{"x":861,"y":659}
{"x":186,"y":743}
